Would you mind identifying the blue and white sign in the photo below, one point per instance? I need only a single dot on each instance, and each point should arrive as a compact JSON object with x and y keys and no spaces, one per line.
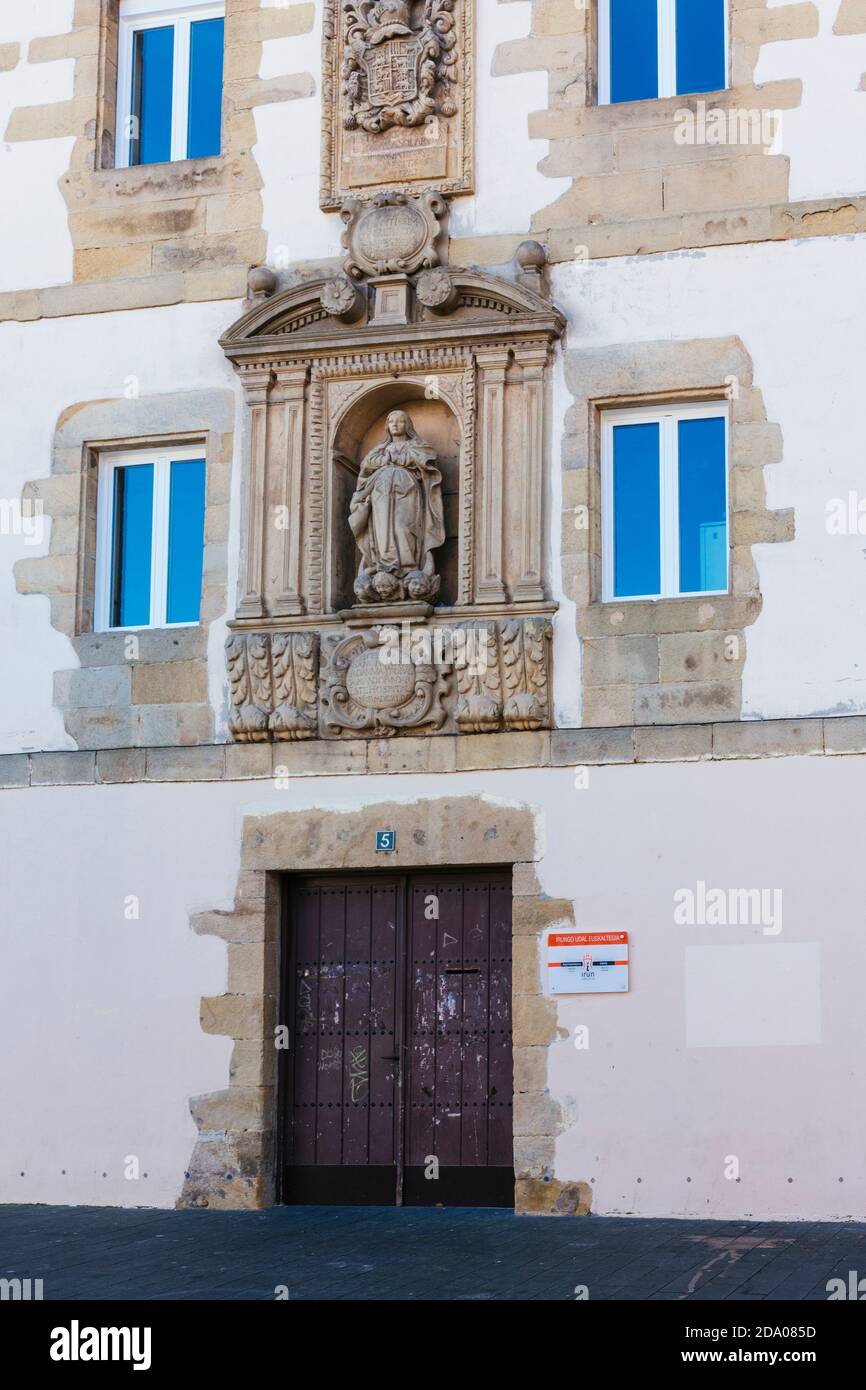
{"x":386,"y":841}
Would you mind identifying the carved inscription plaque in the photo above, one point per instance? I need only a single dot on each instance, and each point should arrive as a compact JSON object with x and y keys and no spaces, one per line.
{"x":371,"y":682}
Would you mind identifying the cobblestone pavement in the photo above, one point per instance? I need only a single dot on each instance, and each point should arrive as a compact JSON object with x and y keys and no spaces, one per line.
{"x":418,"y":1254}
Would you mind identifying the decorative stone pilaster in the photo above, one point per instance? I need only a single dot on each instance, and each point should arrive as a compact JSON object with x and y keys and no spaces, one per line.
{"x":288,"y":409}
{"x":257,"y":385}
{"x":490,"y":587}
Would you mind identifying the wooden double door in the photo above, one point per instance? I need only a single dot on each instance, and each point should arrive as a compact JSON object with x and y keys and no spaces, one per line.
{"x":397,"y":1085}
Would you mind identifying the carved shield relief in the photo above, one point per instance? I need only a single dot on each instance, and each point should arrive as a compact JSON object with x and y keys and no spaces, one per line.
{"x":392,"y":72}
{"x":397,"y":87}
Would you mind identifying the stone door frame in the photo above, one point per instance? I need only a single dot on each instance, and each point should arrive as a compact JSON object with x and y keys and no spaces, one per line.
{"x":235,"y":1158}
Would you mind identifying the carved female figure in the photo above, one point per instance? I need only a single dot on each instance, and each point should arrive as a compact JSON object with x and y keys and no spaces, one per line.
{"x":396,"y":517}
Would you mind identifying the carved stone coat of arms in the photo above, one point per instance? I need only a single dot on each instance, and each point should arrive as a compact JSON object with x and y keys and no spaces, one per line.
{"x":399,"y":62}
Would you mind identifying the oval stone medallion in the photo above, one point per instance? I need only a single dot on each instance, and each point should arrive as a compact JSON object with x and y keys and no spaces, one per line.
{"x":375,"y":684}
{"x":391,"y":234}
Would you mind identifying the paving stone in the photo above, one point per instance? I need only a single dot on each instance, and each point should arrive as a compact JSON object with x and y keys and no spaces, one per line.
{"x":411,"y":1254}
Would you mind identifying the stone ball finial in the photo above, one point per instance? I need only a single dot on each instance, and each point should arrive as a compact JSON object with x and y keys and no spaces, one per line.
{"x":261,"y":282}
{"x":531,"y":257}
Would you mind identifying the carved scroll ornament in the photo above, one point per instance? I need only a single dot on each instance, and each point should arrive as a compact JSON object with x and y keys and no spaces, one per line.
{"x":365,"y":692}
{"x":394,"y":234}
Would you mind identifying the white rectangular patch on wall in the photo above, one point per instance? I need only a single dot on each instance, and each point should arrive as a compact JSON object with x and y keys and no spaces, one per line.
{"x":587,"y":962}
{"x":753,"y":996}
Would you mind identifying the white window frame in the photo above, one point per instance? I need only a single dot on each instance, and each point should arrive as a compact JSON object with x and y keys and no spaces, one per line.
{"x":667,"y":417}
{"x":667,"y":65}
{"x":155,"y":14}
{"x":162,"y":458}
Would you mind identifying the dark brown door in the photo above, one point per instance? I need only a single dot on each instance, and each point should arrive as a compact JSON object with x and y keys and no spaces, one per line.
{"x":397,"y":1084}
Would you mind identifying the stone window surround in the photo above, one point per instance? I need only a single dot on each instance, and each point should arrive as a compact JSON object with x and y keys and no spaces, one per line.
{"x":163,"y":12}
{"x":744,"y":37}
{"x":107,"y":84}
{"x":598,"y":407}
{"x":668,"y":660}
{"x":160,"y":695}
{"x":594,"y":55}
{"x":633,"y":189}
{"x":158,"y":233}
{"x":234,"y":1162}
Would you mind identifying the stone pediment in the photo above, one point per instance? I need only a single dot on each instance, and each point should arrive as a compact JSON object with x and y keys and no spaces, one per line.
{"x":476,"y":303}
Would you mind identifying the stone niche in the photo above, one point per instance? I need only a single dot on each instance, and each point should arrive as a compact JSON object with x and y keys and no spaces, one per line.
{"x":397,"y":97}
{"x":393,"y":533}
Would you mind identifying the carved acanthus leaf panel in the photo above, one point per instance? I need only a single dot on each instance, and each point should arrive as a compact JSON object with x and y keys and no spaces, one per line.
{"x":273,"y":685}
{"x":525,"y":672}
{"x":295,"y":658}
{"x":479,"y":681}
{"x":248,"y":721}
{"x":477,"y":677}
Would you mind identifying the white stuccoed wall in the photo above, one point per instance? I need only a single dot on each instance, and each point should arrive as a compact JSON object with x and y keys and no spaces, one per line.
{"x":794,"y":305}
{"x":103,"y":1060}
{"x":49,"y":366}
{"x":508,"y":184}
{"x":822,"y":133}
{"x":35,"y":245}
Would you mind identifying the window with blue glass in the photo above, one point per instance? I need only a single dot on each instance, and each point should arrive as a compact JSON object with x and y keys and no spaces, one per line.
{"x":665,"y":502}
{"x":150,"y":538}
{"x":170,"y":81}
{"x":661,"y":48}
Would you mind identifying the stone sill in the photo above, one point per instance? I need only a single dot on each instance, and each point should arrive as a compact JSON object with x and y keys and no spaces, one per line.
{"x":233,"y":762}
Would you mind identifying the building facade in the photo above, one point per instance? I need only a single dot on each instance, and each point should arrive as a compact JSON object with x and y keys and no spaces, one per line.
{"x":432,"y":576}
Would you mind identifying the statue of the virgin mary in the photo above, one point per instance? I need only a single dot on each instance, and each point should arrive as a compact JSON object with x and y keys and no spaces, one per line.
{"x":396,"y":517}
